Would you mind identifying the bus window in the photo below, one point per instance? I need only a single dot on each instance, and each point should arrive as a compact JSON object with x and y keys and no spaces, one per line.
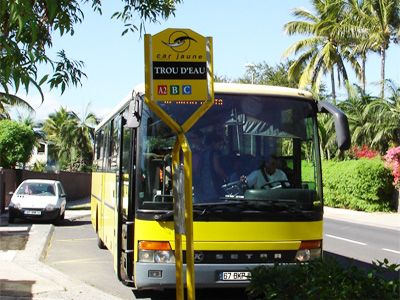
{"x":114,"y":143}
{"x":99,"y":150}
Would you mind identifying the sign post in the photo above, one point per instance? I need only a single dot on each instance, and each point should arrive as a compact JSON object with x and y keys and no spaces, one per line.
{"x":179,"y":67}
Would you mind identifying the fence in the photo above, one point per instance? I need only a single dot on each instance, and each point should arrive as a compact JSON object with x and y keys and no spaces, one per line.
{"x":76,"y":185}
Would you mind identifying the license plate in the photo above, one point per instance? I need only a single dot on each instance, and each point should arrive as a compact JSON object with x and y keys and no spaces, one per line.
{"x":33,"y":212}
{"x":234,"y":276}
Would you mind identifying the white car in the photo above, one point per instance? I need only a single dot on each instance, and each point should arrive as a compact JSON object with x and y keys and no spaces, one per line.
{"x":38,"y":199}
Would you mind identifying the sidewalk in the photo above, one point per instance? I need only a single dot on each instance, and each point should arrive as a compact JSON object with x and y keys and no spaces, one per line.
{"x":24,"y":276}
{"x":378,"y":219}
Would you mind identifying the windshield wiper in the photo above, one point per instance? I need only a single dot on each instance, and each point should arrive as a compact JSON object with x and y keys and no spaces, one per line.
{"x":169,"y":215}
{"x":166,"y":216}
{"x":247,"y":206}
{"x":234,"y":206}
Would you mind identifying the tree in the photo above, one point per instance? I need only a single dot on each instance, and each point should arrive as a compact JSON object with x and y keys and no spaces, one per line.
{"x":386,"y":115}
{"x":72,"y":138}
{"x":373,"y":121}
{"x":16,"y":143}
{"x":373,"y":25}
{"x":361,"y":124}
{"x":263,"y":73}
{"x":321,"y":52}
{"x":10,"y":101}
{"x":26,"y":31}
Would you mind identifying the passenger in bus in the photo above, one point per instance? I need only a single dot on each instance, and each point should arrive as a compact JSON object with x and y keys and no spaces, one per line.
{"x":197,"y":148}
{"x":266,"y":176}
{"x":211,"y":175}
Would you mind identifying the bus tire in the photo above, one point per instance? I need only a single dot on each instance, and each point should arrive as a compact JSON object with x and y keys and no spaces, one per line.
{"x":100,"y":243}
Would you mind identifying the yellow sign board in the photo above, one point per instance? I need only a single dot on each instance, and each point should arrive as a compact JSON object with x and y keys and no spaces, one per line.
{"x":178,"y":66}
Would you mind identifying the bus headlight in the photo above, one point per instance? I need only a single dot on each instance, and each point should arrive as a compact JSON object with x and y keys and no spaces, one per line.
{"x":167,"y":257}
{"x":309,"y":250}
{"x":146,"y":256}
{"x":156,"y":252}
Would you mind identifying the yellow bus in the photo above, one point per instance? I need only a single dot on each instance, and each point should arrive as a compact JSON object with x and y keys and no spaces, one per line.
{"x":238,"y":222}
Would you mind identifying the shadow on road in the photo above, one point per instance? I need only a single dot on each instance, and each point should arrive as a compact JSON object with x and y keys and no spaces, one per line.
{"x":16,"y":289}
{"x":201,"y":294}
{"x":69,"y":223}
{"x":348,"y":262}
{"x":13,"y":240}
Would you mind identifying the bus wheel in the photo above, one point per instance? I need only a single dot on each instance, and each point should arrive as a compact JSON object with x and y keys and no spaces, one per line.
{"x":100,"y":243}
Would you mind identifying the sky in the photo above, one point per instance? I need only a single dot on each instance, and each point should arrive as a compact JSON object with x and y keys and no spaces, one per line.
{"x":243,"y":32}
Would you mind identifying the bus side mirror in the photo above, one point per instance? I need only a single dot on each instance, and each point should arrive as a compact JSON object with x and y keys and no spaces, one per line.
{"x":343,"y":138}
{"x":134,"y":112}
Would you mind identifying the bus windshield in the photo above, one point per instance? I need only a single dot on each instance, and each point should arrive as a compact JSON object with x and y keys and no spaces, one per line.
{"x":250,"y":149}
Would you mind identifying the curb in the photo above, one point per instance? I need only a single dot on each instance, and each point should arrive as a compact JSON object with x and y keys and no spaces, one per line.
{"x":73,"y":218}
{"x":46,"y":243}
{"x":50,"y":283}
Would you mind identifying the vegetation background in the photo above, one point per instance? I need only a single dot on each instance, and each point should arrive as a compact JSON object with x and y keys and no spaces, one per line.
{"x":336,"y":38}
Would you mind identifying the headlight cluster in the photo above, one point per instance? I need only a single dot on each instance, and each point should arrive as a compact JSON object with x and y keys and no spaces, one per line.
{"x":156,"y":252}
{"x":50,"y":207}
{"x":309,"y":250}
{"x":15,"y":205}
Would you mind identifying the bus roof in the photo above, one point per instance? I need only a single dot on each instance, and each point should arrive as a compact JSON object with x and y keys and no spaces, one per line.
{"x":226,"y":88}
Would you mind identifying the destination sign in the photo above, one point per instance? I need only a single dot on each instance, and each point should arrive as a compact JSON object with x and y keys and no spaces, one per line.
{"x":179,"y":70}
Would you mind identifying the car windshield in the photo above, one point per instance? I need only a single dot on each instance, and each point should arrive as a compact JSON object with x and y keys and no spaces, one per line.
{"x":36,"y":188}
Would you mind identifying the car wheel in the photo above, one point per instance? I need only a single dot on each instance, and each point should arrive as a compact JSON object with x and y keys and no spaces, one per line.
{"x":57,"y":220}
{"x":11,"y":219}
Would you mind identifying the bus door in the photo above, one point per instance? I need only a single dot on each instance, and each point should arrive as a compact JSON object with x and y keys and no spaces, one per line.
{"x":125,"y":210}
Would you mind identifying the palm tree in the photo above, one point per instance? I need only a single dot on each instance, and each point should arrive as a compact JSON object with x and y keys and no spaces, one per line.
{"x":7,"y":101}
{"x":72,"y":137}
{"x":83,"y":132}
{"x":57,"y":136}
{"x":361,"y":123}
{"x":373,"y":25}
{"x":386,"y":115}
{"x":321,"y":52}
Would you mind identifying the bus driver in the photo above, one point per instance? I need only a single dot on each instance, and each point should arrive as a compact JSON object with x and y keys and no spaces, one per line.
{"x":268,"y":175}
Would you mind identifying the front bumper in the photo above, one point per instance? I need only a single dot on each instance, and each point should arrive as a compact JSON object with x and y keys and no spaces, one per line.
{"x":206,"y":275}
{"x":34,"y":213}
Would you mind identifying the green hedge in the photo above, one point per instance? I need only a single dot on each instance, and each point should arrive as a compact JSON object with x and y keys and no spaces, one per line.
{"x":323,"y":279}
{"x":363,"y":184}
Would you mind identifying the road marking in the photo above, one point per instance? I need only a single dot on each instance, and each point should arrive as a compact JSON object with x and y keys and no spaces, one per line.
{"x":347,"y":240}
{"x":81,"y":261}
{"x":14,"y":229}
{"x":390,"y":250}
{"x":74,"y":240}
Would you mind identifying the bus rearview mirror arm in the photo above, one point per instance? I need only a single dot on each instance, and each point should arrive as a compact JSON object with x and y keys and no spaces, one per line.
{"x":135,"y":112}
{"x":343,"y":139}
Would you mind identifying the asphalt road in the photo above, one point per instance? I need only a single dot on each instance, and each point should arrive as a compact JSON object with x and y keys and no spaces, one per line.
{"x":361,"y":242}
{"x":73,"y":251}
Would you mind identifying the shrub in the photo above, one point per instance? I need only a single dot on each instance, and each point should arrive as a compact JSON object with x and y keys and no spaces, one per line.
{"x":363,"y":184}
{"x":322,"y":279}
{"x":16,"y":143}
{"x":392,"y":158}
{"x":364,"y":152}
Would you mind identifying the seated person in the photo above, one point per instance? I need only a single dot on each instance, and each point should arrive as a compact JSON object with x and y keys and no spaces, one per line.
{"x":268,"y":172}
